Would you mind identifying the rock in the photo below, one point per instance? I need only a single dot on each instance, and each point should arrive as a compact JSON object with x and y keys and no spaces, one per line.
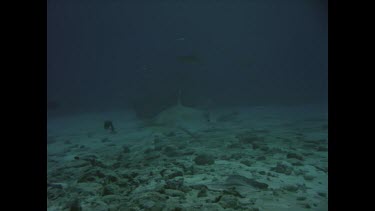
{"x":294,"y":155}
{"x":241,"y":180}
{"x":204,"y":160}
{"x":249,"y":138}
{"x":297,"y":163}
{"x":262,"y":172}
{"x":259,"y":185}
{"x":322,"y":194}
{"x":322,"y":149}
{"x":171,"y":173}
{"x":175,"y":193}
{"x":301,"y":198}
{"x":91,"y":176}
{"x":233,"y":191}
{"x":171,"y":151}
{"x":261,"y":158}
{"x":236,"y":156}
{"x":105,"y":140}
{"x":228,"y":117}
{"x":229,"y":202}
{"x":148,"y":151}
{"x":265,"y":148}
{"x":247,"y":162}
{"x":175,"y":184}
{"x":202,"y":193}
{"x":282,"y":168}
{"x":171,"y":134}
{"x":125,"y":149}
{"x":109,"y":190}
{"x":308,"y":177}
{"x":150,"y":201}
{"x":235,"y":145}
{"x":75,"y":205}
{"x":291,"y":188}
{"x":255,"y":145}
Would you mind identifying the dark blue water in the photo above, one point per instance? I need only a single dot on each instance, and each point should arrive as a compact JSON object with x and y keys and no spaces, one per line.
{"x":117,"y":54}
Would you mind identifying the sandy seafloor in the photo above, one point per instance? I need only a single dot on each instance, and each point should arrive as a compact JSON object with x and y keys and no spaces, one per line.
{"x":245,"y":158}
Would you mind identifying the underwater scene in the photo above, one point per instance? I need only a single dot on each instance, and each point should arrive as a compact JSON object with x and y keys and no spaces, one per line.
{"x":177,"y":105}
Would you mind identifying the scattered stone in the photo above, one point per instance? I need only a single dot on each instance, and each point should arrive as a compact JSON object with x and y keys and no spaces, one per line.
{"x":204,"y":159}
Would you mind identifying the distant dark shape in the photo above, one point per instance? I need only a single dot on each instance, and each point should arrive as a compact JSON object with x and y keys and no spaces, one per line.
{"x":53,"y":105}
{"x":108,"y":125}
{"x":189,"y":59}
